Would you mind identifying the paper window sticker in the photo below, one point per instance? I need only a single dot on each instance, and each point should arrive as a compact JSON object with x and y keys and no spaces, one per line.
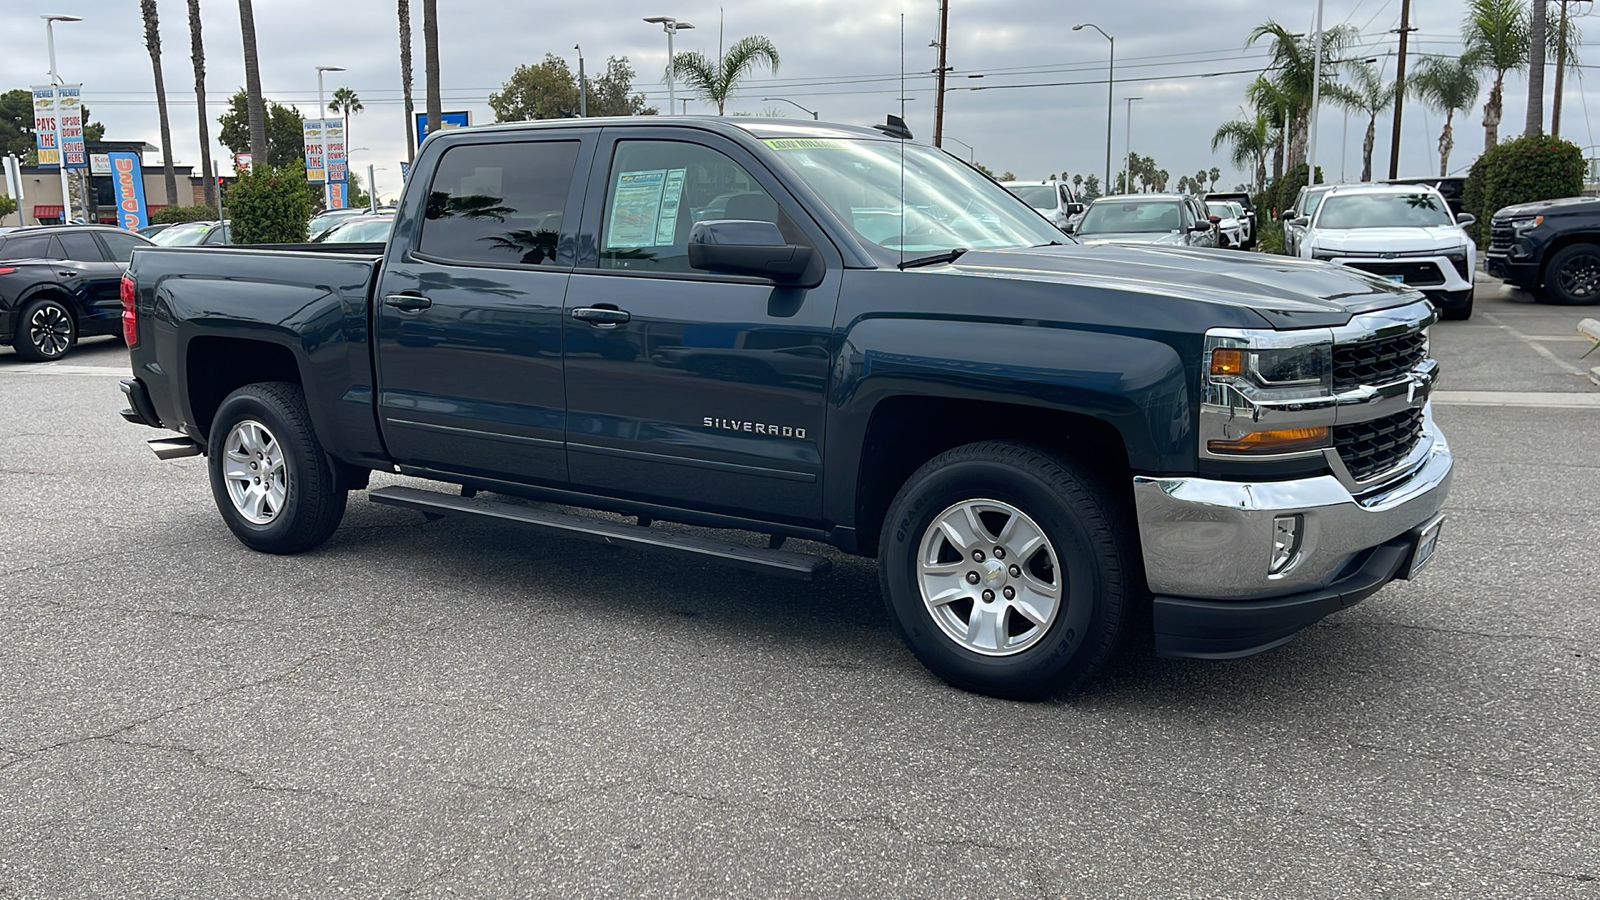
{"x":635,"y":209}
{"x":671,"y":195}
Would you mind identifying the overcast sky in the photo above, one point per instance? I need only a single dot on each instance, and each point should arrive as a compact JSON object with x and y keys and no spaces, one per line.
{"x":840,"y":57}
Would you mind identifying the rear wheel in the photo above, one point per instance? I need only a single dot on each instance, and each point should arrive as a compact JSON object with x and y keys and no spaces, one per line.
{"x":273,"y":484}
{"x":1573,"y":276}
{"x":1006,"y":570}
{"x":45,"y":331}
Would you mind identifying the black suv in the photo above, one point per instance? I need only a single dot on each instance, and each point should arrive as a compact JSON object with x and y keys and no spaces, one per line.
{"x":60,"y":282}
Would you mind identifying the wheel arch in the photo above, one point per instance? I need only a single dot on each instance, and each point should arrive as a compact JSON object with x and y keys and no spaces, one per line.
{"x":1560,"y":244}
{"x":216,"y":366}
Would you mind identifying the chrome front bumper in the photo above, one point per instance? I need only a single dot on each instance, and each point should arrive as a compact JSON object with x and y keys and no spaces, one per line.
{"x":1209,"y":539}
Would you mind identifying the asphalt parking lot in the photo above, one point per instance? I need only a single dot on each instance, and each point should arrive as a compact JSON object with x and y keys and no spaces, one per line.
{"x":432,"y":709}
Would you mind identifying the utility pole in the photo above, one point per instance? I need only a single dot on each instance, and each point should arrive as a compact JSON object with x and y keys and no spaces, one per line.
{"x":1561,"y":66}
{"x":938,"y":91}
{"x":1316,"y":99}
{"x":1399,"y":89}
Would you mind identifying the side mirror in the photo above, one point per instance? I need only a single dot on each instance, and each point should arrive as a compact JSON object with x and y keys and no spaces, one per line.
{"x":1071,"y":228}
{"x":1200,"y":226}
{"x":1214,"y":219}
{"x":1466,"y":219}
{"x":750,"y":247}
{"x":1074,"y":208}
{"x":1288,"y":215}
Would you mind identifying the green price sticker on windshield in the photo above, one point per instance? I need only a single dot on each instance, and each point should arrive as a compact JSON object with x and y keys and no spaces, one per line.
{"x":803,"y":143}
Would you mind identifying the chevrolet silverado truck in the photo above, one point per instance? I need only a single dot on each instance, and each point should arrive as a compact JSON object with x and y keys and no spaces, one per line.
{"x":1550,"y":248}
{"x":829,"y":333}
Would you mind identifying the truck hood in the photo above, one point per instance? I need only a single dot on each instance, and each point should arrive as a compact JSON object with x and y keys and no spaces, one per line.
{"x":1388,"y":240}
{"x":1286,"y":292}
{"x":1543,"y":207}
{"x":1166,"y":238}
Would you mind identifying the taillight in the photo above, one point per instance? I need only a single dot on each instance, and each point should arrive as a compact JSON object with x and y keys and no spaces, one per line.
{"x":130,"y":318}
{"x":6,"y":270}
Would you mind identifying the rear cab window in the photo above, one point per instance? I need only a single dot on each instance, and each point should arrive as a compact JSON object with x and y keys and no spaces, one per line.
{"x":499,"y":204}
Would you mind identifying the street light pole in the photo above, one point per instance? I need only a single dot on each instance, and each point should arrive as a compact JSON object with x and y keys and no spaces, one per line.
{"x":1316,"y":97}
{"x":1128,"y":166}
{"x":791,"y":103}
{"x":322,"y":117}
{"x":972,"y":155}
{"x":1111,"y":87}
{"x":671,"y":26}
{"x":55,"y":103}
{"x":583,"y":85}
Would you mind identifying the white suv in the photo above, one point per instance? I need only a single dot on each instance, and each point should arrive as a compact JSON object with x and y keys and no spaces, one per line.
{"x":1404,"y":233}
{"x":1053,"y":199}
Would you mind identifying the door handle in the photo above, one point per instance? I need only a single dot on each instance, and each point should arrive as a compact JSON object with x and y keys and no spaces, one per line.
{"x":407,"y":302}
{"x":600,"y":316}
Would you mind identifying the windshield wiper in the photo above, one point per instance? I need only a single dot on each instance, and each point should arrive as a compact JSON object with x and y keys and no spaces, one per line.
{"x":933,"y":258}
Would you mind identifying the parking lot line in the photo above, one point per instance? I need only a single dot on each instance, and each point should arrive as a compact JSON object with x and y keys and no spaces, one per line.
{"x":62,"y":369}
{"x":1537,"y":347}
{"x":1544,"y":399}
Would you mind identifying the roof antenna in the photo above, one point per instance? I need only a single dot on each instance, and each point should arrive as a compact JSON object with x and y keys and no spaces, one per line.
{"x":902,"y":140}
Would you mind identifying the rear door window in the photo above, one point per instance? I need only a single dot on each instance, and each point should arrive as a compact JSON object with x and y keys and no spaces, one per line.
{"x":499,"y":204}
{"x":122,"y":245}
{"x":81,"y":246}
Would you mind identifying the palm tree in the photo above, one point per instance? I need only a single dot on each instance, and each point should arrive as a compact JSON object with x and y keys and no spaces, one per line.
{"x":252,"y":86}
{"x":1294,"y":58}
{"x":1077,"y":184}
{"x":1215,"y":174}
{"x":197,"y":53}
{"x":1534,"y":124}
{"x":1370,"y":95}
{"x":1496,"y":37}
{"x":1565,"y":41}
{"x":1446,"y":84}
{"x":430,"y":61}
{"x":1272,"y":103}
{"x":405,"y":77}
{"x":346,"y":103}
{"x":1249,"y":140}
{"x":152,"y":42}
{"x":716,"y":82}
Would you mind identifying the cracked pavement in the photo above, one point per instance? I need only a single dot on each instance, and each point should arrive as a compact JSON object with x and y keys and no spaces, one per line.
{"x":440,"y":709}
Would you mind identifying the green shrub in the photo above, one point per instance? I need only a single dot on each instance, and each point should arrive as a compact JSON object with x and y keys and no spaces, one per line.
{"x":7,"y":206}
{"x":270,"y":206}
{"x":177,"y":215}
{"x":1521,"y":171}
{"x":1269,"y":234}
{"x":1282,"y":192}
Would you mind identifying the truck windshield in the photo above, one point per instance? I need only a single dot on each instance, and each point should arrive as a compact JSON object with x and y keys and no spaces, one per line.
{"x":1132,"y":217}
{"x":1038,"y":196}
{"x":945,"y":204}
{"x":1422,"y":209}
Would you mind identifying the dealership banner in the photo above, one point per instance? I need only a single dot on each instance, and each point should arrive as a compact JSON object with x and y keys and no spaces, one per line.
{"x":333,"y":149}
{"x":127,"y":182}
{"x":57,"y":116}
{"x":316,"y":168}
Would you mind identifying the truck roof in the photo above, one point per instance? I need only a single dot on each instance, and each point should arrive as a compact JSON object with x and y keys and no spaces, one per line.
{"x":759,"y":127}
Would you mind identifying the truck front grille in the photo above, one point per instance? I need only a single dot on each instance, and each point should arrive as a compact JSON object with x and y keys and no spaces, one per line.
{"x":1500,"y":236}
{"x":1376,"y":362}
{"x":1416,"y":274}
{"x":1372,"y":448}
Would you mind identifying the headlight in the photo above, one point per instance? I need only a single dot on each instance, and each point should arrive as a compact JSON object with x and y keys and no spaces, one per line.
{"x":1525,"y":224}
{"x":1248,"y":372}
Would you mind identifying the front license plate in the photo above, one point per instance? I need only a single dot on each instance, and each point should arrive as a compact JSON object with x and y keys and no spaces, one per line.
{"x":1427,"y":541}
{"x":1397,"y":279}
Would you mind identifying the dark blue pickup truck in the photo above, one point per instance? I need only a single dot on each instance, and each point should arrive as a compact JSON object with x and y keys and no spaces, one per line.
{"x":829,"y":333}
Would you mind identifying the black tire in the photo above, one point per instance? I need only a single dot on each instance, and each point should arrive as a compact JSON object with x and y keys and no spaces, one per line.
{"x":1458,"y":313}
{"x":1572,"y":278}
{"x":46,"y":330}
{"x":1088,"y":531}
{"x":312,"y":503}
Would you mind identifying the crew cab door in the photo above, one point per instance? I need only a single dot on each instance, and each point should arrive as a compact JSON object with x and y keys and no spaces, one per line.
{"x":685,"y":387}
{"x":468,"y":308}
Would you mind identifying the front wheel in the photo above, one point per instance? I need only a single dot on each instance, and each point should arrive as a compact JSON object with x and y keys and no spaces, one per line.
{"x":272,"y":482}
{"x":1007,"y":570}
{"x":1573,"y":277}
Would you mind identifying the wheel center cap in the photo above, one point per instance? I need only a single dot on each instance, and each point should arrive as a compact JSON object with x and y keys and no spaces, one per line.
{"x":994,"y":573}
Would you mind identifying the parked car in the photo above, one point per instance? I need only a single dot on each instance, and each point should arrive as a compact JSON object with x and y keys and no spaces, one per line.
{"x":323,"y":222}
{"x":359,"y":230}
{"x":1450,"y":187}
{"x":1550,"y":249}
{"x":150,"y":231}
{"x":1298,"y":216}
{"x":1053,"y":199}
{"x":1147,"y":219}
{"x":872,"y":346}
{"x":1230,"y":227}
{"x":194,"y":234}
{"x":59,"y":283}
{"x":1403,"y":233}
{"x":1248,"y":205}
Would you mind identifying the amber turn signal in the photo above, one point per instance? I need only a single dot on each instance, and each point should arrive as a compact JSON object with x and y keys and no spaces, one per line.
{"x":1225,"y":361}
{"x":1283,"y":440}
